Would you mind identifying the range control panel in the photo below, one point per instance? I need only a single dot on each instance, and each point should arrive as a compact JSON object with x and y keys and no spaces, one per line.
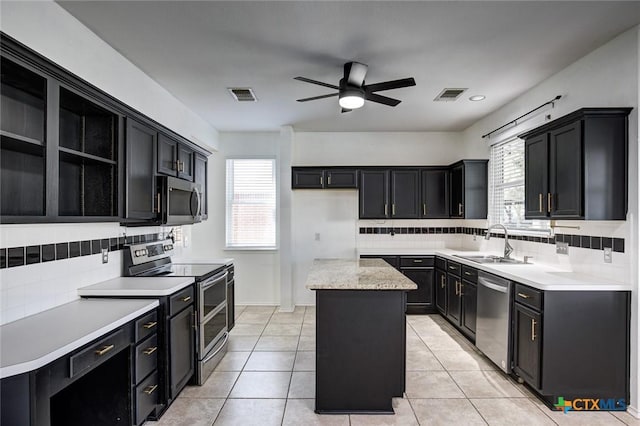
{"x":146,"y":252}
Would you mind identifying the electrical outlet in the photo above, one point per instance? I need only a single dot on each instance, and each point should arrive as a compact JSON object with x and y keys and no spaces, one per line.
{"x":105,"y":255}
{"x":607,"y":255}
{"x":562,"y":248}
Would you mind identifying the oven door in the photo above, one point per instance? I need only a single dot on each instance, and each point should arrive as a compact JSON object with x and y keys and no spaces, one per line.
{"x":181,"y":201}
{"x":212,"y":329}
{"x":212,"y":293}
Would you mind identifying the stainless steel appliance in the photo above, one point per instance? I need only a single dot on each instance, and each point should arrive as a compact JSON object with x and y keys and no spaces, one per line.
{"x":493,"y":319}
{"x":153,"y":260}
{"x":180,"y":201}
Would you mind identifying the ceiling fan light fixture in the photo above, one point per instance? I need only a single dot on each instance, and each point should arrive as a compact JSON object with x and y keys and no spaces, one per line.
{"x":351,"y":99}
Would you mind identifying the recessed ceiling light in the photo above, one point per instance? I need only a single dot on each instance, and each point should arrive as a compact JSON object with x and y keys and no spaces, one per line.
{"x":477,"y":98}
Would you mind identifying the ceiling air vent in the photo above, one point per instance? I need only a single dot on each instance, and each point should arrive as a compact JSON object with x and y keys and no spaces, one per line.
{"x":449,"y":94}
{"x":242,"y":94}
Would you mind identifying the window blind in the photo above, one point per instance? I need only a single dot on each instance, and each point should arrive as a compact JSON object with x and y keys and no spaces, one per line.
{"x":251,"y":203}
{"x":506,"y":187}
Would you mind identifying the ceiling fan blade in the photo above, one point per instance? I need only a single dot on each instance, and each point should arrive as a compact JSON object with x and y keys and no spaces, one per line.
{"x":345,"y":110}
{"x":354,"y":73}
{"x":319,"y":83}
{"x":317,"y":97}
{"x":381,"y":99}
{"x":388,"y":85}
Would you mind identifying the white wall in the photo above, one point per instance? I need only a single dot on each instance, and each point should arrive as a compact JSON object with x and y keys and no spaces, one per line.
{"x":50,"y":30}
{"x":257,"y":279}
{"x":608,"y":76}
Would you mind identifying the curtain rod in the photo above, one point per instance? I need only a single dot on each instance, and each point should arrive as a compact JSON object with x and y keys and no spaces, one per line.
{"x":515,"y":120}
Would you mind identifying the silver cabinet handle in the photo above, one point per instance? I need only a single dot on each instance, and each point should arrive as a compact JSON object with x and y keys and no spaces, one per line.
{"x":459,"y":209}
{"x":424,"y":209}
{"x":533,"y":330}
{"x":329,"y":179}
{"x":540,"y":202}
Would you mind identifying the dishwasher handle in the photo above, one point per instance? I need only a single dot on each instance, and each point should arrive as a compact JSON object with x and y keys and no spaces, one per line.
{"x":493,"y":285}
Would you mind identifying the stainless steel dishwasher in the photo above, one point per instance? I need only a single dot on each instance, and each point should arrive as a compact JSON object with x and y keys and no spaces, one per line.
{"x":492,"y":327}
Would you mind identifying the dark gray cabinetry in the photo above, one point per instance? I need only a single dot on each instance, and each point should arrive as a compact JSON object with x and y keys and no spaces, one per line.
{"x":405,"y":194}
{"x":468,"y":189}
{"x":111,"y":380}
{"x":374,"y":194}
{"x":200,"y":177}
{"x":434,"y":194}
{"x":559,"y":336}
{"x":441,"y":289}
{"x":324,"y":178}
{"x":142,"y":198}
{"x":461,"y":298}
{"x":576,"y":166}
{"x":420,"y":270}
{"x":60,"y":150}
{"x":181,"y":343}
{"x":174,"y":158}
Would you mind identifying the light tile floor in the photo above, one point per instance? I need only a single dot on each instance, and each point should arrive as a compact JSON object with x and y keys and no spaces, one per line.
{"x":268,"y":378}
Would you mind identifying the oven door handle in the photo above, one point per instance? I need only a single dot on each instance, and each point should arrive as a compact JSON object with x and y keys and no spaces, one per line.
{"x":226,"y":337}
{"x":213,"y":280}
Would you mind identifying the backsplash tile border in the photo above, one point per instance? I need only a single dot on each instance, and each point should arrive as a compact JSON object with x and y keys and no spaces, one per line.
{"x":582,"y":241}
{"x":28,"y":255}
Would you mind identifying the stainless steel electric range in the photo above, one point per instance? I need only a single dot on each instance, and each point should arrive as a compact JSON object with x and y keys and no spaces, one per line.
{"x":154,"y":260}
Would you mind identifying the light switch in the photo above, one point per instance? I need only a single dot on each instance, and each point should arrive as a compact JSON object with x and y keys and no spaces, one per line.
{"x":562,"y":248}
{"x":607,"y":255}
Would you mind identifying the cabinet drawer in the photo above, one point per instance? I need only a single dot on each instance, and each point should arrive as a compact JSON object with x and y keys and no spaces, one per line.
{"x":416,"y":261}
{"x":98,"y":352}
{"x":529,"y":296}
{"x":146,"y":325}
{"x":470,"y":274}
{"x":146,"y":357}
{"x":181,"y":300}
{"x":453,"y":268}
{"x":441,"y":263}
{"x":147,"y":397}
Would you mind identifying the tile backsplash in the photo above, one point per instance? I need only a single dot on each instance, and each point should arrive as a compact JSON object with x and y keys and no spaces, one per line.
{"x":43,"y":265}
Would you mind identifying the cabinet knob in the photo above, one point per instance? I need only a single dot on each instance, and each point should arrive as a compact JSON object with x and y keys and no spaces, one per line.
{"x":186,"y":299}
{"x":104,"y":350}
{"x":524,"y":296}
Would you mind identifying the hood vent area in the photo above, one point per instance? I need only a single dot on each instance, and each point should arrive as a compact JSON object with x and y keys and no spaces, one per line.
{"x":449,"y":94}
{"x":242,"y":94}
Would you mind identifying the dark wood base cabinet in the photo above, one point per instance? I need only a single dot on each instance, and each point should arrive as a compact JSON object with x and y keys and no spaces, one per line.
{"x":110,"y":381}
{"x":360,"y":350}
{"x":572,"y":344}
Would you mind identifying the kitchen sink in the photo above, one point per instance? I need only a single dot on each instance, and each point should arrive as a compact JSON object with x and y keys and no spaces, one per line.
{"x":492,"y":259}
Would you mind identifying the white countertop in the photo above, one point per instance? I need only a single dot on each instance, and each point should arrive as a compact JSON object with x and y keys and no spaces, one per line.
{"x":34,"y":341}
{"x":137,"y":287}
{"x":363,"y":274}
{"x":540,"y":276}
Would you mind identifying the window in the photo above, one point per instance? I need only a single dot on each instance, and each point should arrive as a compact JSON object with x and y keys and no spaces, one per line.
{"x":506,"y":188}
{"x":251,"y":203}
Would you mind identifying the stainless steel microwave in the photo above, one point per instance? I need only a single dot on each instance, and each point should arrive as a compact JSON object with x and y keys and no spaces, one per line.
{"x":181,"y":201}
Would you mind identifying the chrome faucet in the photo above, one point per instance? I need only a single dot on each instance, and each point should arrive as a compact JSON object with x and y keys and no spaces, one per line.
{"x":507,"y":247}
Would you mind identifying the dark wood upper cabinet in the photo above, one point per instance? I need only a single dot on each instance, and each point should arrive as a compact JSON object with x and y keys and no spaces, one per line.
{"x":576,"y":166}
{"x":306,"y":178}
{"x":435,"y":193}
{"x":23,"y":142}
{"x":405,"y":194}
{"x":374,"y":194}
{"x":468,"y":189}
{"x":175,"y":159}
{"x":536,"y":176}
{"x":141,"y":198}
{"x":324,"y":178}
{"x":200,"y":177}
{"x":341,"y":178}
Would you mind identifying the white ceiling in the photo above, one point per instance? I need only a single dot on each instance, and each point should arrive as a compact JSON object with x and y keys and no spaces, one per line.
{"x":196,"y":50}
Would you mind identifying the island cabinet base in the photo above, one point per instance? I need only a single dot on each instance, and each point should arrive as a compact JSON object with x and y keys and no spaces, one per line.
{"x":360,"y":350}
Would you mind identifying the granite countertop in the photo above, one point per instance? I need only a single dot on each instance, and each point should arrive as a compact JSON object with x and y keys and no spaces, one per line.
{"x":537,"y":275}
{"x":34,"y":341}
{"x":353,"y":274}
{"x":200,"y":260}
{"x":137,"y":287}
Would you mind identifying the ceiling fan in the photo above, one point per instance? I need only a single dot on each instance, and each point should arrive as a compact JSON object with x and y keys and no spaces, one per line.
{"x":352,"y":92}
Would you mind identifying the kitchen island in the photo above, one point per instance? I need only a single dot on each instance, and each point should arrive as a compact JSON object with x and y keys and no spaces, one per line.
{"x":360,"y":334}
